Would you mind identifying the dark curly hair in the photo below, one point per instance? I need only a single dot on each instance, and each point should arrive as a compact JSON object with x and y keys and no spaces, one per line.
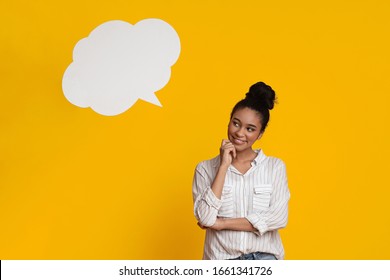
{"x":260,"y":98}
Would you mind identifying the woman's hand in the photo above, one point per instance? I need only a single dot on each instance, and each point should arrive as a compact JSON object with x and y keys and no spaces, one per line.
{"x":227,"y":152}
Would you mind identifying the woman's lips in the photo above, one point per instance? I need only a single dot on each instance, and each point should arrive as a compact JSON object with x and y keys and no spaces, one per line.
{"x":238,"y":141}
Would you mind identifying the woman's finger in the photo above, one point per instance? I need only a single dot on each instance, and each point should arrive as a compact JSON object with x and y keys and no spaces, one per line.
{"x":224,"y":141}
{"x":227,"y":146}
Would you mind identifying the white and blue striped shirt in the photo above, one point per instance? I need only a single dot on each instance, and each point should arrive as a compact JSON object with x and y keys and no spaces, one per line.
{"x":260,"y":195}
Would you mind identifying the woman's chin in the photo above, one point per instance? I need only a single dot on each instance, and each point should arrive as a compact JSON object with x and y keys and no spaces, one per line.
{"x":240,"y":148}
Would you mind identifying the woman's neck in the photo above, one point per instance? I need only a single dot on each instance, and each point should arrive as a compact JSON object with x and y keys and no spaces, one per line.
{"x":246,"y":155}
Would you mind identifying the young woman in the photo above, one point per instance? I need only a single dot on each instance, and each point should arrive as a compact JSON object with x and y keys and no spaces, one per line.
{"x":241,"y":196}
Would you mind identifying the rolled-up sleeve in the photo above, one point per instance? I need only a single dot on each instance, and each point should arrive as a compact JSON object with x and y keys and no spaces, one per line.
{"x":274,"y":217}
{"x":206,"y":204}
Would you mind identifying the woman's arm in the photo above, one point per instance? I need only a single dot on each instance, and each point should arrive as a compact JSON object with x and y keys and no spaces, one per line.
{"x":239,"y":224}
{"x":259,"y":222}
{"x":206,"y":203}
{"x":206,"y":196}
{"x":227,"y":153}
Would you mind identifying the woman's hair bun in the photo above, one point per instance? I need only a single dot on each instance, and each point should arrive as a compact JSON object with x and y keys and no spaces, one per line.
{"x":263,"y":94}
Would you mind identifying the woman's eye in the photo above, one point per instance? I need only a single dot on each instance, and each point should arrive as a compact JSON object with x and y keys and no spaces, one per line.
{"x":250,"y":129}
{"x":235,"y":124}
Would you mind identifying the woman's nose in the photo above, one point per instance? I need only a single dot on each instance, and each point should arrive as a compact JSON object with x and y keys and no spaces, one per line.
{"x":240,"y":132}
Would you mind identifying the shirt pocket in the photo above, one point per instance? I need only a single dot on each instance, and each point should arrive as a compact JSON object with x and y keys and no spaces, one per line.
{"x":262,"y":197}
{"x":227,"y":207}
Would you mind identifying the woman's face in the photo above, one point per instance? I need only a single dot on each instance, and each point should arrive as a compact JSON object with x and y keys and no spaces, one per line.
{"x":244,"y":129}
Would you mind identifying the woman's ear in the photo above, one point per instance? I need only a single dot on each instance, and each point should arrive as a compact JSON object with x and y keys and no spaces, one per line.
{"x":261,"y":134}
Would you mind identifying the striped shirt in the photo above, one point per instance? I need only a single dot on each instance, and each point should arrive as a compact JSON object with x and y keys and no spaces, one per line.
{"x":260,"y":195}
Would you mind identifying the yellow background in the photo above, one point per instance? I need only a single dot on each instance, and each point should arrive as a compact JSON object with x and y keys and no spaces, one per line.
{"x":78,"y":185}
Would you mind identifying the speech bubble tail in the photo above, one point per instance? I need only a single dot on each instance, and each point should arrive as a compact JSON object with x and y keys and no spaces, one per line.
{"x":151,"y":98}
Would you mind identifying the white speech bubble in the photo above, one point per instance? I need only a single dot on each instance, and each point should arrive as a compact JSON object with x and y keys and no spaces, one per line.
{"x":119,"y":63}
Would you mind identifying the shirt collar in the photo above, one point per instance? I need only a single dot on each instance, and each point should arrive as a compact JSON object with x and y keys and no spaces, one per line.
{"x":260,"y":156}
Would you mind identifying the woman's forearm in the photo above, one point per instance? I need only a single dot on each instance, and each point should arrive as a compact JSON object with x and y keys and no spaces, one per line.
{"x":239,"y":224}
{"x":219,"y":180}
